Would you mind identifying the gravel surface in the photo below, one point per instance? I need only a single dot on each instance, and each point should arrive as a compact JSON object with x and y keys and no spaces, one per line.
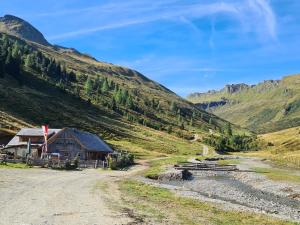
{"x":242,"y":190}
{"x":48,"y":197}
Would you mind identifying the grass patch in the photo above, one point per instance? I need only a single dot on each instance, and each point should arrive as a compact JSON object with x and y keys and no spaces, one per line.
{"x":282,"y":147}
{"x":158,"y":166}
{"x":14,"y":165}
{"x":283,"y":159}
{"x":229,"y":161}
{"x":278,"y":174}
{"x":187,"y":211}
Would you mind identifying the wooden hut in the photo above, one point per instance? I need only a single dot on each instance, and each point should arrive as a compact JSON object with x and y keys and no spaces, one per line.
{"x":70,"y":142}
{"x":67,"y":143}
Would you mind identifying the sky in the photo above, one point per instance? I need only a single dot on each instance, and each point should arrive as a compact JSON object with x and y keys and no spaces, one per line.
{"x":186,"y":45}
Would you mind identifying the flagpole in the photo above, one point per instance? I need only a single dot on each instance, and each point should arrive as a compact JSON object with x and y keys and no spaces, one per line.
{"x":45,"y":131}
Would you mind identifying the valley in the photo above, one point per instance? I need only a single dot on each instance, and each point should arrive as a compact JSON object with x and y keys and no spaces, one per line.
{"x":253,"y":128}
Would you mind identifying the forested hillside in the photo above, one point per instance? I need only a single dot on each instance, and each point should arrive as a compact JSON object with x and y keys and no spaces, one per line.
{"x":45,"y":84}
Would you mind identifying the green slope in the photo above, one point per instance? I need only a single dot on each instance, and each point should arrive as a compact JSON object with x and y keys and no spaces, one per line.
{"x":62,"y":87}
{"x":268,"y":106}
{"x":282,"y":147}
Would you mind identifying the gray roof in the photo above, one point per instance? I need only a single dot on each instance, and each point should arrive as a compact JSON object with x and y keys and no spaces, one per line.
{"x":35,"y":132}
{"x":91,"y":141}
{"x":28,"y":132}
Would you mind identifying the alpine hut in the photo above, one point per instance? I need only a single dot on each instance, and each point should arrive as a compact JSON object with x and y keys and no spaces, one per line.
{"x":67,"y":143}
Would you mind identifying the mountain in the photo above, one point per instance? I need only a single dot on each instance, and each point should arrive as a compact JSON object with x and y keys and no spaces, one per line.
{"x":268,"y":106}
{"x":41,"y":83}
{"x":17,"y":27}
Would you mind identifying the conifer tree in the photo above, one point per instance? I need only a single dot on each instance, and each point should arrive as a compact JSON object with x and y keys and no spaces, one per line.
{"x":228,"y":129}
{"x":129,"y":102}
{"x":29,"y":62}
{"x":105,"y":86}
{"x":88,"y":87}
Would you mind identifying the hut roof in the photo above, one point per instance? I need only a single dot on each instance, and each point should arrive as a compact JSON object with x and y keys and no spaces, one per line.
{"x":32,"y":132}
{"x":91,"y":142}
{"x":35,"y":132}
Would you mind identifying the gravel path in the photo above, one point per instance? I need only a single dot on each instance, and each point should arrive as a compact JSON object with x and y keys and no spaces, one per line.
{"x":242,"y":190}
{"x":42,"y":196}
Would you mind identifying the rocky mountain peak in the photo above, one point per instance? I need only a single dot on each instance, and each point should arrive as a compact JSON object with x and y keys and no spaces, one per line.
{"x":20,"y":28}
{"x":233,"y":88}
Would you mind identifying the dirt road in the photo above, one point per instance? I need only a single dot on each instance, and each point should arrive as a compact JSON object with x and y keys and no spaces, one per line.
{"x":42,"y":196}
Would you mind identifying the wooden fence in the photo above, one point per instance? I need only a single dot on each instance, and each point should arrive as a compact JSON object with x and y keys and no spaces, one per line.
{"x":59,"y":163}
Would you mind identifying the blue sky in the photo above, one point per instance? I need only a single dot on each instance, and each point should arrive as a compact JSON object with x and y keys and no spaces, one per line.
{"x":187,"y":45}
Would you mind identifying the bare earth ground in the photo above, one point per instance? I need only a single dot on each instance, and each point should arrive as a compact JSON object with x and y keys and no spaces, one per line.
{"x":43,"y":196}
{"x":49,"y":197}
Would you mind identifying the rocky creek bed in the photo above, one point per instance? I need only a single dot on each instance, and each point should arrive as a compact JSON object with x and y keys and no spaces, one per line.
{"x":238,"y":190}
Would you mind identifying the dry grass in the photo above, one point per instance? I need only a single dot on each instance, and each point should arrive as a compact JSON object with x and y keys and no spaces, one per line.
{"x":283,"y":147}
{"x":278,"y":174}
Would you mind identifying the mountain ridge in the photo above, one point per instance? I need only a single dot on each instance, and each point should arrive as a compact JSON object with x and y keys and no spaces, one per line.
{"x":233,"y":88}
{"x":268,"y":106}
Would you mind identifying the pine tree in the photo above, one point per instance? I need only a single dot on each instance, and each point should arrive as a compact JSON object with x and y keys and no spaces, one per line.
{"x":88,"y":87}
{"x":29,"y":62}
{"x":113,"y":105}
{"x":129,"y":102}
{"x":228,"y":129}
{"x":97,"y":83}
{"x":118,"y":96}
{"x":15,"y":50}
{"x":105,"y":86}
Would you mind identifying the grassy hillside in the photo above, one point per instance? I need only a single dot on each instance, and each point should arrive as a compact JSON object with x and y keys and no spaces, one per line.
{"x":61,"y":87}
{"x":266,"y":107}
{"x":282,"y":147}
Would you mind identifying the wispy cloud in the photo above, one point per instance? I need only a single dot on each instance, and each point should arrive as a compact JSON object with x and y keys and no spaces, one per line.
{"x":139,"y":14}
{"x":259,"y":17}
{"x":99,"y":28}
{"x":255,"y":15}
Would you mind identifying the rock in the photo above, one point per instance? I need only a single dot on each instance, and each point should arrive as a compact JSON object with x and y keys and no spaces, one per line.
{"x":175,"y":175}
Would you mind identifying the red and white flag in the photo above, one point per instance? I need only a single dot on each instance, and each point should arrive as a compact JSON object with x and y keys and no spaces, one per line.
{"x":45,"y":131}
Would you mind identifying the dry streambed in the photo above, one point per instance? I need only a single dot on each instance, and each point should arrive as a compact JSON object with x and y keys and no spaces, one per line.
{"x":241,"y":190}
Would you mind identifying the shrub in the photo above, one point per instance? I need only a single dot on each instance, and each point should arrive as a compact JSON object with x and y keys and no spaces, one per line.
{"x":121,"y":160}
{"x":232,"y":143}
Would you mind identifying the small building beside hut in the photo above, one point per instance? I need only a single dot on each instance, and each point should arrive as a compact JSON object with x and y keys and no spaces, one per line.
{"x":67,"y":143}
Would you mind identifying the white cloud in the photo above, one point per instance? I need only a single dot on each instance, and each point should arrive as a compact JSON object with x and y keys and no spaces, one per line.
{"x":134,"y":14}
{"x":255,"y":15}
{"x":262,"y":16}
